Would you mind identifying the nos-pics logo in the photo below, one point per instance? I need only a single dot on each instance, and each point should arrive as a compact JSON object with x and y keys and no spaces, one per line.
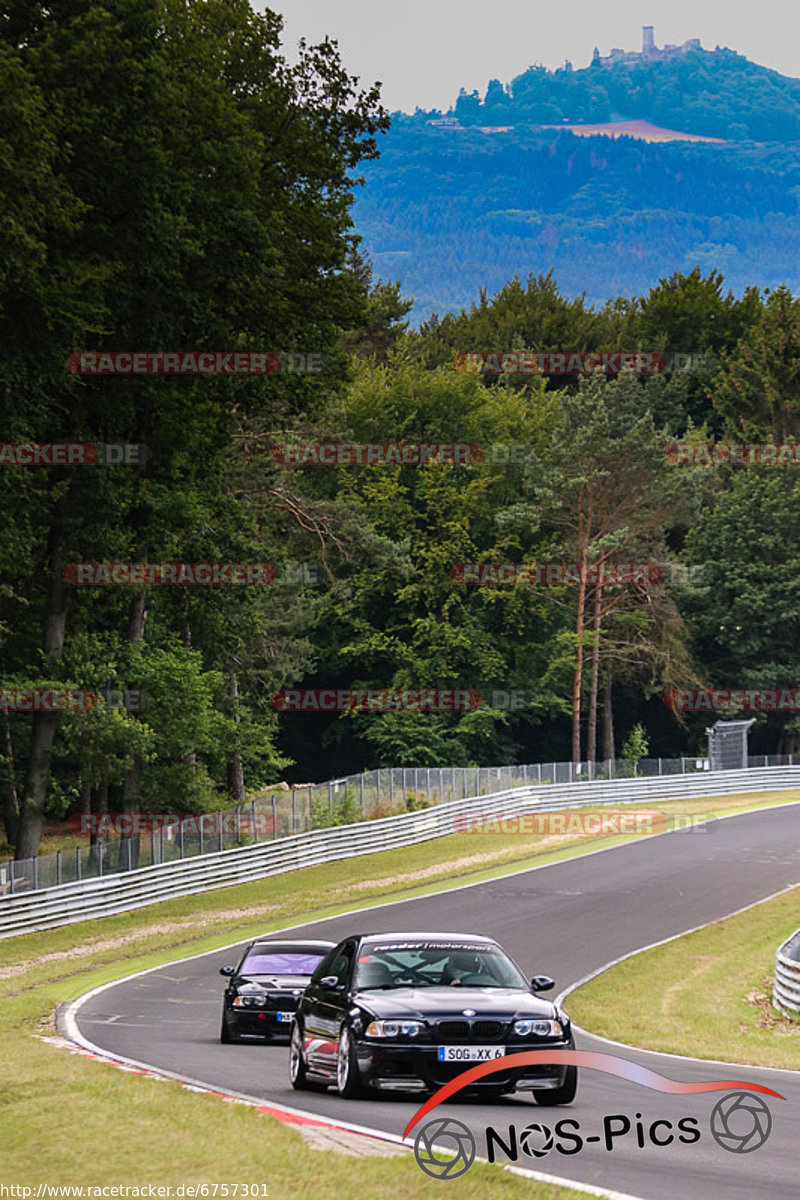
{"x":445,"y":1148}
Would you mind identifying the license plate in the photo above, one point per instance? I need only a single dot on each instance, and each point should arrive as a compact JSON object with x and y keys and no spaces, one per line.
{"x":284,"y":1018}
{"x":470,"y":1053}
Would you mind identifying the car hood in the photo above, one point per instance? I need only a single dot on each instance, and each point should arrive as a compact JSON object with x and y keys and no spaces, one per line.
{"x":290,"y":982}
{"x":446,"y":1003}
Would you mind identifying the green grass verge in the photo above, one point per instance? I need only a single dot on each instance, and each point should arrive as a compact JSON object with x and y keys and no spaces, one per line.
{"x":67,"y":1120}
{"x":708,"y":994}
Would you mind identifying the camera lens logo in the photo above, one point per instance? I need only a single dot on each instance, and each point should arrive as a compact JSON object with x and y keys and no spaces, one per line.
{"x":536,"y":1140}
{"x":741,"y":1122}
{"x":455,"y":1148}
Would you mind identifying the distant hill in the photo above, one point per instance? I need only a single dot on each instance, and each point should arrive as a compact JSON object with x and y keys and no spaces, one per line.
{"x":499,"y":187}
{"x":714,"y":93}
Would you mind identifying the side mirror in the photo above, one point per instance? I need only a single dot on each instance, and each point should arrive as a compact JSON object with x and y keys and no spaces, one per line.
{"x":542,"y":983}
{"x":331,"y":982}
{"x":227,"y":970}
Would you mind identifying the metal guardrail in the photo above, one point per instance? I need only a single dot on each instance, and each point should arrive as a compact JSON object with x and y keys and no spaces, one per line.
{"x":103,"y":896}
{"x":786,"y":988}
{"x":376,"y":793}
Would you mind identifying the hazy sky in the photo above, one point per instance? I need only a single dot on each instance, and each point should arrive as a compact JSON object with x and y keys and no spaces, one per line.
{"x":425,"y":50}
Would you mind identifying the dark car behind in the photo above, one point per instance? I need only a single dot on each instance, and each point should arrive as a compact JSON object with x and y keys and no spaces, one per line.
{"x":264,"y":989}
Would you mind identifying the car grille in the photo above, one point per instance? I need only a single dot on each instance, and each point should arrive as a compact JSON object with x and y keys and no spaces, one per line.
{"x":489,"y":1031}
{"x":282,"y":1003}
{"x":464,"y":1031}
{"x":458,"y":1030}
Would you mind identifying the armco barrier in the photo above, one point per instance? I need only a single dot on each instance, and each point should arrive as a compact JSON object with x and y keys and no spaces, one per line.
{"x":134,"y":889}
{"x":786,"y":989}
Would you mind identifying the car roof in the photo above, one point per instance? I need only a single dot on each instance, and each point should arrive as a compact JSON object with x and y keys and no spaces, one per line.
{"x":424,"y":936}
{"x":301,"y":943}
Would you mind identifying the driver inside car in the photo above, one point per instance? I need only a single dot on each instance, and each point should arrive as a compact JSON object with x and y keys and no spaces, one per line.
{"x":463,"y":967}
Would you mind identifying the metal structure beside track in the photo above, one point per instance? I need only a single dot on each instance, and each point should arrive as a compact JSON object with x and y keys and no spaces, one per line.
{"x":108,"y":894}
{"x":786,"y":988}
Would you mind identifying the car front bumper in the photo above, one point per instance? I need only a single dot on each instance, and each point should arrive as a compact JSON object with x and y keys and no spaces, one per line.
{"x":395,"y":1067}
{"x":260,"y":1022}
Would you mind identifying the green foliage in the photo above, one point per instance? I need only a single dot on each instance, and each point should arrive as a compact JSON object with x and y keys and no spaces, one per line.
{"x":636,"y":745}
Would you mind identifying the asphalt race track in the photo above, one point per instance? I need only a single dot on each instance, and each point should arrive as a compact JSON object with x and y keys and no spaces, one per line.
{"x":564,"y":920}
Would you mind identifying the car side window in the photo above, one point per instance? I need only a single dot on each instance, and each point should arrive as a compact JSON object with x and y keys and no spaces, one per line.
{"x":344,"y":962}
{"x":326,"y":967}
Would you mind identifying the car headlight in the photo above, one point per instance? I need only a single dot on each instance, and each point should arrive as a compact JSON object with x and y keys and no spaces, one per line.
{"x":391,"y":1029}
{"x":250,"y":997}
{"x":538,"y":1028}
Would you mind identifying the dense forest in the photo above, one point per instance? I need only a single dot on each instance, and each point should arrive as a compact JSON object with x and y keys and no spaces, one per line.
{"x":236,"y":188}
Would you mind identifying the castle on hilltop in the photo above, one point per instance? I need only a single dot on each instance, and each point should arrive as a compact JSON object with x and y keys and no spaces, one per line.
{"x":648,"y":53}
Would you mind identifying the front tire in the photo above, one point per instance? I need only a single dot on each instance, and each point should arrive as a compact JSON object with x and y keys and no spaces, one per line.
{"x":225,"y":1035}
{"x":563,"y":1095}
{"x":348,"y":1080}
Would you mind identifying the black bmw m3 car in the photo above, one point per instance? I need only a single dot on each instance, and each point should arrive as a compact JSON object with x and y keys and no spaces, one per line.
{"x":263,"y":990}
{"x":410,"y":1011}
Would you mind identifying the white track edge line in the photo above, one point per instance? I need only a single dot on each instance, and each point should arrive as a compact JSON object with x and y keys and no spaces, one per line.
{"x":722,"y":1062}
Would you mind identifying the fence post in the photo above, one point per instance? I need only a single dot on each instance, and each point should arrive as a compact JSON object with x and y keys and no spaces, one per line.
{"x":310,"y":807}
{"x":128,"y":844}
{"x":378,"y":786}
{"x":391,"y":787}
{"x":294,"y":811}
{"x":77,"y":862}
{"x":274,"y":818}
{"x":330,"y":798}
{"x":238,"y":825}
{"x":153,"y":847}
{"x":202,"y":823}
{"x":11,"y":876}
{"x":361,"y":785}
{"x":58,"y":867}
{"x":100,"y":858}
{"x":253,"y":828}
{"x":428,"y":782}
{"x":659,"y":766}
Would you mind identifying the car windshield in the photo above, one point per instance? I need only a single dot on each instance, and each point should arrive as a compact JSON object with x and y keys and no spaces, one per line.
{"x":281,"y":962}
{"x":435,"y":964}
